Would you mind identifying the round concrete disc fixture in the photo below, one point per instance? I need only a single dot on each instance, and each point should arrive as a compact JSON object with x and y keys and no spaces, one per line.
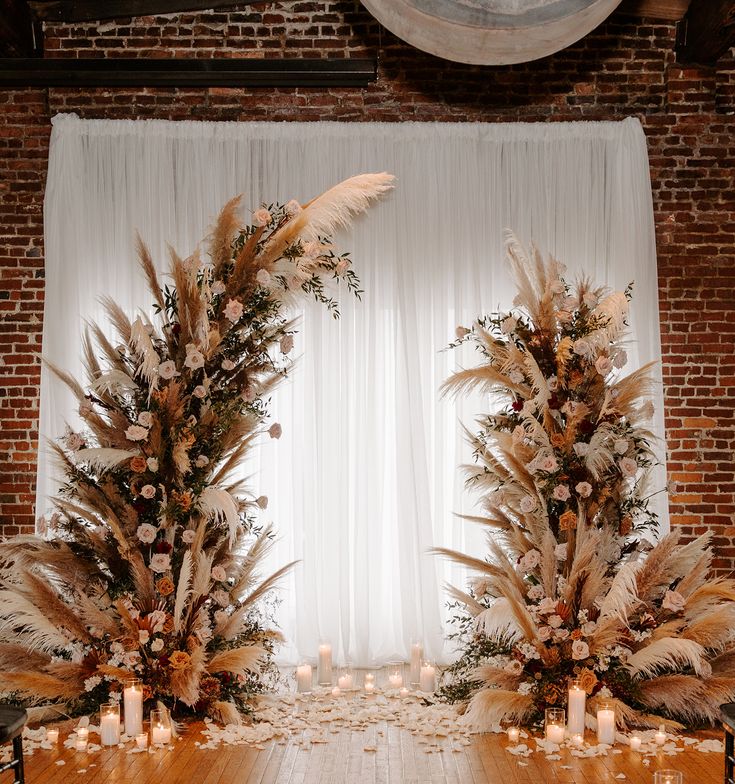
{"x":490,"y":32}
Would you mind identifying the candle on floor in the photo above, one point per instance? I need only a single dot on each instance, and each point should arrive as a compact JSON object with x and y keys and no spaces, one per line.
{"x":80,"y":744}
{"x":635,"y":742}
{"x":369,"y":677}
{"x":555,"y":724}
{"x":133,"y":706}
{"x":303,"y":678}
{"x":52,"y":736}
{"x":109,"y":724}
{"x":417,"y":653}
{"x":141,"y":740}
{"x":427,"y":678}
{"x":345,"y":680}
{"x":324,"y":665}
{"x":660,"y":736}
{"x":514,"y":734}
{"x":578,"y":739}
{"x":369,"y":687}
{"x":606,"y":724}
{"x":160,"y":727}
{"x":576,"y":706}
{"x":336,"y":691}
{"x":404,"y":692}
{"x":395,"y":676}
{"x":669,"y":776}
{"x":82,"y":733}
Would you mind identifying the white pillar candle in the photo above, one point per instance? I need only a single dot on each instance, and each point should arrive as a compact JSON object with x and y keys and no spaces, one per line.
{"x":110,"y":730}
{"x":133,"y":705}
{"x":606,"y":726}
{"x":635,"y":743}
{"x":417,"y":653}
{"x":141,"y":740}
{"x":555,"y":733}
{"x":52,"y":736}
{"x":660,"y":736}
{"x":345,"y":681}
{"x":576,"y":706}
{"x":395,"y":680}
{"x":514,"y":734}
{"x":427,"y":677}
{"x":303,"y":678}
{"x":324,"y":665}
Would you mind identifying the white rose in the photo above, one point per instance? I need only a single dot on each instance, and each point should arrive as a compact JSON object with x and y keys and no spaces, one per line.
{"x":292,"y":207}
{"x":261,"y":217}
{"x":603,"y":365}
{"x":628,"y":466}
{"x":194,"y":357}
{"x":560,"y":551}
{"x":160,"y":562}
{"x":136,"y":433}
{"x":621,"y":446}
{"x":547,"y":605}
{"x":275,"y":430}
{"x":146,"y":533}
{"x":561,"y":634}
{"x":145,"y":418}
{"x":581,"y":449}
{"x":167,"y":370}
{"x":582,"y":347}
{"x":233,"y":310}
{"x":528,"y":504}
{"x":152,"y":463}
{"x":262,"y":501}
{"x":673,"y":601}
{"x":200,"y":391}
{"x":157,"y":645}
{"x":188,"y":536}
{"x":555,"y":621}
{"x":218,"y":574}
{"x":531,"y":560}
{"x":218,"y":287}
{"x":584,"y":489}
{"x":201,"y":461}
{"x":227,"y":364}
{"x":544,"y":633}
{"x":516,"y":376}
{"x":508,"y":324}
{"x":222,"y":598}
{"x":589,"y":628}
{"x":220,"y":616}
{"x":580,"y":650}
{"x":561,"y":493}
{"x":263,"y":277}
{"x":535,"y":592}
{"x":148,"y":491}
{"x":549,"y":464}
{"x":143,"y":636}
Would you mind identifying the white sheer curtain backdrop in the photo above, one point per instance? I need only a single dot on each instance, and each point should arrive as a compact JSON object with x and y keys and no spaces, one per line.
{"x":364,"y":479}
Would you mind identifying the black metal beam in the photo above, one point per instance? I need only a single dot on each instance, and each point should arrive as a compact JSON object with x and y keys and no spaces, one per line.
{"x":94,"y":10}
{"x":706,"y":32}
{"x":220,"y":72}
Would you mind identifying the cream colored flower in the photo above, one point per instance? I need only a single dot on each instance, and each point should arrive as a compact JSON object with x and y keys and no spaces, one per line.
{"x":561,"y":493}
{"x":167,"y":370}
{"x":152,"y":464}
{"x":218,"y":573}
{"x":218,"y":287}
{"x":143,"y":636}
{"x":145,"y":418}
{"x":146,"y":533}
{"x":200,"y":391}
{"x":262,"y":501}
{"x":528,"y":504}
{"x":584,"y":489}
{"x":148,"y":491}
{"x":261,"y":217}
{"x":621,"y":446}
{"x":160,"y":562}
{"x":582,"y":347}
{"x":136,"y":433}
{"x":263,"y":277}
{"x":233,"y":310}
{"x":228,"y":364}
{"x":157,"y":645}
{"x":194,"y":358}
{"x":292,"y":208}
{"x":603,"y":365}
{"x":628,"y":466}
{"x":188,"y":536}
{"x":286,"y":344}
{"x":555,"y":621}
{"x":580,"y":650}
{"x":673,"y":601}
{"x":201,"y":461}
{"x":275,"y":430}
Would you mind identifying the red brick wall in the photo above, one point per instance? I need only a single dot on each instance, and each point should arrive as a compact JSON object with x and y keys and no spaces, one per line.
{"x":625,"y":68}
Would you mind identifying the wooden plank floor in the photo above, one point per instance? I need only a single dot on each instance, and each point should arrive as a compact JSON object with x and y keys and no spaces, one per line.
{"x":343,"y":760}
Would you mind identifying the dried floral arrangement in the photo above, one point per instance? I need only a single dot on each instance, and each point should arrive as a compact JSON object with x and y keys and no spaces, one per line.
{"x":152,"y":566}
{"x":571,"y":588}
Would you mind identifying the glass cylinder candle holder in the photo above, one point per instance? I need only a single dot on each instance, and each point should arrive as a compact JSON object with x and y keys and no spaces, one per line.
{"x":160,"y":727}
{"x":141,"y":740}
{"x":395,"y":675}
{"x":369,"y":683}
{"x":576,"y":706}
{"x":80,"y":744}
{"x":417,"y":654}
{"x":133,"y":706}
{"x":554,"y":724}
{"x":346,"y":679}
{"x":660,"y":735}
{"x":52,"y":736}
{"x":304,"y":676}
{"x":514,"y":734}
{"x":669,"y":776}
{"x":324,"y":665}
{"x":82,"y":733}
{"x":635,"y":742}
{"x":606,"y":723}
{"x":110,"y":723}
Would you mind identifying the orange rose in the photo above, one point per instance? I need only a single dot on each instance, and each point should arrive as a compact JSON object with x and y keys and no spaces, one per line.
{"x":168,"y":624}
{"x":165,"y":586}
{"x":179,"y":660}
{"x":576,"y":634}
{"x":587,"y":680}
{"x":138,"y":464}
{"x":557,"y":440}
{"x":568,"y":521}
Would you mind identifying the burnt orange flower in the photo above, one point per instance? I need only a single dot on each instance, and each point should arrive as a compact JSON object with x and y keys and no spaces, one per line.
{"x":576,"y":634}
{"x":168,"y":624}
{"x":138,"y":464}
{"x":568,"y":521}
{"x":587,"y":680}
{"x":179,"y":660}
{"x":147,"y":692}
{"x":165,"y":586}
{"x":160,"y":395}
{"x":557,"y":440}
{"x":625,"y":525}
{"x":182,"y":499}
